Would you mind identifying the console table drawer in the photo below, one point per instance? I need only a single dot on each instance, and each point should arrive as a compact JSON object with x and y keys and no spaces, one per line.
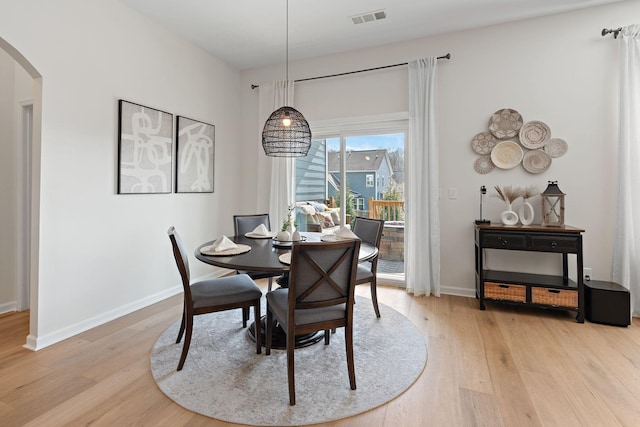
{"x":504,"y":241}
{"x":554,"y":244}
{"x":555,"y":297}
{"x":507,"y":292}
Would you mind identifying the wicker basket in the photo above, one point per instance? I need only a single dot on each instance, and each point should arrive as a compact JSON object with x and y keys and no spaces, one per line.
{"x":504,"y":291}
{"x":556,"y":297}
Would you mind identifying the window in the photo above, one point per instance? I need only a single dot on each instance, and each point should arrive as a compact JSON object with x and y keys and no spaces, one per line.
{"x":355,"y":162}
{"x":358,"y":204}
{"x":369,"y":180}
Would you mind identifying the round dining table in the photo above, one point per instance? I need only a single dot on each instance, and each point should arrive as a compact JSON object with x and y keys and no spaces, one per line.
{"x":264,"y":257}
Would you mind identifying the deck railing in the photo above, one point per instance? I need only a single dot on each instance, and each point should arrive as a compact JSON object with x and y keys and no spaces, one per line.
{"x":389,"y":210}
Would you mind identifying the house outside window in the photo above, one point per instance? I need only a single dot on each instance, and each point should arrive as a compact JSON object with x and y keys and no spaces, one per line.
{"x":358,"y":204}
{"x":369,"y":180}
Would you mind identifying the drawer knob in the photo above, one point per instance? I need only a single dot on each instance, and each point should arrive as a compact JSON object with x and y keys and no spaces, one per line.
{"x":554,"y":244}
{"x":504,"y":242}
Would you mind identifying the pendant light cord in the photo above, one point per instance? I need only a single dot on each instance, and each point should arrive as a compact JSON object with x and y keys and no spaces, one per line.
{"x":286,"y":87}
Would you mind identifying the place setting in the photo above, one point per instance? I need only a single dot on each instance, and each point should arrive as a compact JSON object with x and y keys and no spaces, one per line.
{"x":223,"y":246}
{"x":260,"y":232}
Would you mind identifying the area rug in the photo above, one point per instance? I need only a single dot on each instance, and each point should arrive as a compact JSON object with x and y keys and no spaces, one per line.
{"x":224,"y":378}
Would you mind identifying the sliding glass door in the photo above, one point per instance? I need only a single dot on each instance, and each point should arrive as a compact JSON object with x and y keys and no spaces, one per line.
{"x":363,"y":171}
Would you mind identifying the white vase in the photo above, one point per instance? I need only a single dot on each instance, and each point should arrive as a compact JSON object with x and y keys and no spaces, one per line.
{"x":509,"y":217}
{"x":283,"y":236}
{"x":526,"y":213}
{"x":295,"y":236}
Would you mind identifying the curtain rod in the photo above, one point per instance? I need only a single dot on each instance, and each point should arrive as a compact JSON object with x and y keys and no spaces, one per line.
{"x":447,"y":56}
{"x":615,"y":32}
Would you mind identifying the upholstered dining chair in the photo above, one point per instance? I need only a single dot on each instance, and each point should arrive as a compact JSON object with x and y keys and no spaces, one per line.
{"x":320,"y":297}
{"x":243,"y":224}
{"x":211,"y":295}
{"x":369,"y":231}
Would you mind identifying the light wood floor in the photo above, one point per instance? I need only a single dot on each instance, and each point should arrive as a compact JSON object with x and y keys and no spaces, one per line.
{"x":499,"y":367}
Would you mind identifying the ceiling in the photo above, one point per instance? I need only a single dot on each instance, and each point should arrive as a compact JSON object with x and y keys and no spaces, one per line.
{"x":252,"y":33}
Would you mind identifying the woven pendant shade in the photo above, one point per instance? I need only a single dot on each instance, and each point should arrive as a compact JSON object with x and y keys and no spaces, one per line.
{"x":279,"y":140}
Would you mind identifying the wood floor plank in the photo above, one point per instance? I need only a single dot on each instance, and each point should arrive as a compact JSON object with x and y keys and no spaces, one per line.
{"x":505,"y":366}
{"x":479,"y":409}
{"x":515,"y":404}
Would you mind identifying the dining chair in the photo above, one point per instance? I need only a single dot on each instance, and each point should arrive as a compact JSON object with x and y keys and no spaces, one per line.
{"x":212,"y":295}
{"x":369,"y":231}
{"x":320,"y":297}
{"x":243,"y":224}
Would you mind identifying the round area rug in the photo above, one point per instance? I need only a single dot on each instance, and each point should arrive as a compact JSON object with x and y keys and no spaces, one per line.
{"x":224,"y":378}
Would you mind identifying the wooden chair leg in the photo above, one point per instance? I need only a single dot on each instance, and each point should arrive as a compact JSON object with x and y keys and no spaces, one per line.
{"x":374,"y":296}
{"x":348,"y":337}
{"x":290,"y":367}
{"x":256,"y":316}
{"x":268,"y":332}
{"x":187,"y":342}
{"x":181,"y":332}
{"x":327,"y":336}
{"x":245,"y":316}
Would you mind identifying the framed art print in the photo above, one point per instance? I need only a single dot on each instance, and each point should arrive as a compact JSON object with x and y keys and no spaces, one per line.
{"x":145,"y":149}
{"x":195,"y":156}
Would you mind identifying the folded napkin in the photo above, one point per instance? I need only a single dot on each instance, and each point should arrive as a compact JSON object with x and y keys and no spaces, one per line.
{"x":222,"y":244}
{"x":261,"y":230}
{"x":346,"y":233}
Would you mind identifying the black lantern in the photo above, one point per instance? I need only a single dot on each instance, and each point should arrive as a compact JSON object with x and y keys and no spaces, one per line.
{"x":552,"y":206}
{"x":286,"y":132}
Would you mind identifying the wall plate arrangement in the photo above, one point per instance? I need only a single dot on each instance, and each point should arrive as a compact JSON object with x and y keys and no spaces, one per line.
{"x":510,"y":141}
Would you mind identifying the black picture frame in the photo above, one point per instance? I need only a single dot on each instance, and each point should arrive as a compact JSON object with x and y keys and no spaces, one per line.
{"x":145,"y":149}
{"x":195,"y":157}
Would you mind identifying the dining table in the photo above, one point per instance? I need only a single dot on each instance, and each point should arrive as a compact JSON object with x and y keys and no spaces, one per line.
{"x":264,"y":256}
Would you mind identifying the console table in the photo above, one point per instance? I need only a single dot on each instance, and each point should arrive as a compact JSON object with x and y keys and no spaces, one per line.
{"x":538,"y":290}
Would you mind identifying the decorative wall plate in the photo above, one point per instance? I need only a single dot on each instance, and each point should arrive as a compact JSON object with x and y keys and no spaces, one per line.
{"x":505,"y":123}
{"x":556,"y":147}
{"x":506,"y":155}
{"x":483,"y":142}
{"x":483,"y":165}
{"x":534,"y":134}
{"x":536,"y":161}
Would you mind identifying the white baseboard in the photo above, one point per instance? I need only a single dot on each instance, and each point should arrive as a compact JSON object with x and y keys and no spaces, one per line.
{"x":8,"y":307}
{"x":39,"y":342}
{"x":458,"y":291}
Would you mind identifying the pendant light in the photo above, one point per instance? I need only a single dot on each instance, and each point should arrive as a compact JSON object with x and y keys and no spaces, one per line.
{"x":286,"y":132}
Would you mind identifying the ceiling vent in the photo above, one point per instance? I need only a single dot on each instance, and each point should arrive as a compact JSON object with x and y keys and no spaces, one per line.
{"x":369,"y":17}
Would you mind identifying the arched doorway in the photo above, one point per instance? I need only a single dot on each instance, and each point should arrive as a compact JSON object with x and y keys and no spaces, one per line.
{"x":26,"y":137}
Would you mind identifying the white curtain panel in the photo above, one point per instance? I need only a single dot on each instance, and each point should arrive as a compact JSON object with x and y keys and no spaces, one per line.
{"x":279,"y":170}
{"x":422,"y":227}
{"x":626,"y":253}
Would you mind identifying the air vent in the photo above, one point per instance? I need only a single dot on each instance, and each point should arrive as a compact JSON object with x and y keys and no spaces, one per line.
{"x":369,"y":17}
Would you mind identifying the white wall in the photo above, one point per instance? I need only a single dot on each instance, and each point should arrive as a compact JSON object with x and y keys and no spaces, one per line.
{"x":8,"y":185}
{"x":15,"y":88}
{"x":557,"y":69}
{"x":103,"y":254}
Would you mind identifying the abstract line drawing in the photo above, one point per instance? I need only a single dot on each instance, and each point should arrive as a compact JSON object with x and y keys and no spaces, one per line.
{"x":145,"y":149}
{"x":195,"y":160}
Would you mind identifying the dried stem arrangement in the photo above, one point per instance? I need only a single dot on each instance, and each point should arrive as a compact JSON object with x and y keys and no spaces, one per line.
{"x":509,"y":193}
{"x":530,"y":191}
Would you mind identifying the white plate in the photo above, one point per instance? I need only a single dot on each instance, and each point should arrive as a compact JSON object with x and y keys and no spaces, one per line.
{"x":536,"y":161}
{"x":285,"y":258}
{"x":556,"y":147}
{"x":505,"y":123}
{"x":253,"y":235}
{"x":507,"y":154}
{"x":334,"y":238}
{"x":534,"y":135}
{"x":239,"y":249}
